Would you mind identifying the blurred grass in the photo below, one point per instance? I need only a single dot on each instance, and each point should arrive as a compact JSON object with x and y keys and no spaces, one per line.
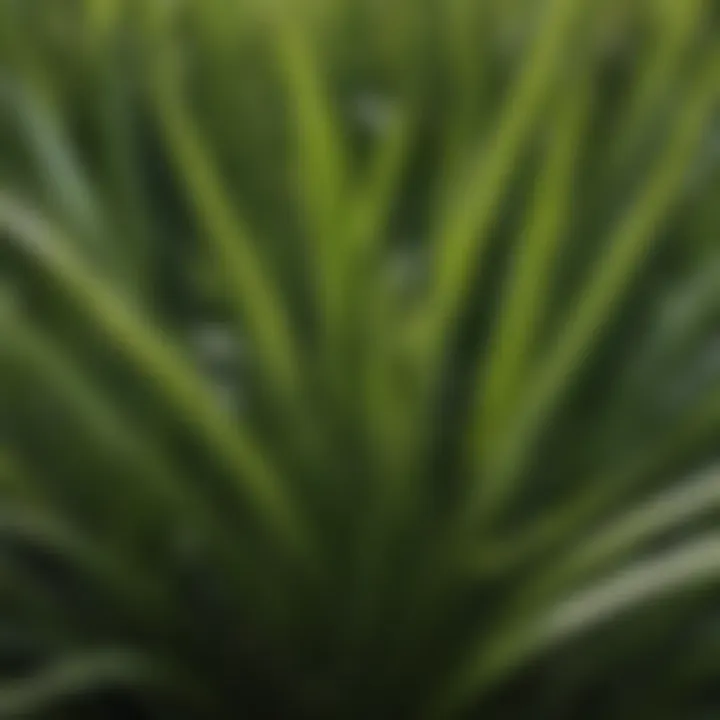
{"x":359,"y":359}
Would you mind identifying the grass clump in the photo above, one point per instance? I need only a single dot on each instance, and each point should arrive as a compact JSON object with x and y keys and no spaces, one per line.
{"x":359,"y":359}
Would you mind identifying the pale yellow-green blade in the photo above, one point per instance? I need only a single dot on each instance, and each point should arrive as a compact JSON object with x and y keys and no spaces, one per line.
{"x":522,"y":638}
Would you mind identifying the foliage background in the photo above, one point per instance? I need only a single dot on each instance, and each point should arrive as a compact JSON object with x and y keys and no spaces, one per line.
{"x":359,"y":359}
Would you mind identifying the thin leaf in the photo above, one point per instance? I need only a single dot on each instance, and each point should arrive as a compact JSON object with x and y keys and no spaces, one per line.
{"x":627,"y":250}
{"x":257,"y":302}
{"x":322,"y":165}
{"x":154,"y":357}
{"x":74,"y":677}
{"x":610,"y":487}
{"x":465,"y":230}
{"x":647,"y":581}
{"x":503,"y":379}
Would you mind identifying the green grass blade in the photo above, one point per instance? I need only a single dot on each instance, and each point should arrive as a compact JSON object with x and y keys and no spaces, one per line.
{"x":464,"y":230}
{"x":75,"y":677}
{"x":377,"y":191}
{"x":646,"y":581}
{"x":667,"y":511}
{"x":133,"y":590}
{"x":171,"y":376}
{"x":66,"y":187}
{"x":502,"y":377}
{"x":322,"y":173}
{"x":627,"y":250}
{"x":677,"y":25}
{"x":258,"y":303}
{"x":596,"y":496}
{"x":163,"y":484}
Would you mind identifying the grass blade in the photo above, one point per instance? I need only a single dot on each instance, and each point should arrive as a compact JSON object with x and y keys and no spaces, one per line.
{"x":154,"y":357}
{"x":667,"y":574}
{"x":503,"y":378}
{"x":257,"y":302}
{"x":627,"y":249}
{"x":464,"y":231}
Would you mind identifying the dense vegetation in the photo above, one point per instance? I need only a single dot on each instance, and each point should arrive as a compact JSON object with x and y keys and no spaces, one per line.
{"x":359,"y":359}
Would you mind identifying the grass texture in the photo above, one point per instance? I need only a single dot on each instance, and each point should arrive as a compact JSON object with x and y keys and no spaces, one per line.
{"x":359,"y":359}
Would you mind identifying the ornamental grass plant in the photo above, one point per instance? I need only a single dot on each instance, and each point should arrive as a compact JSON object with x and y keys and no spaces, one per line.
{"x":359,"y":359}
